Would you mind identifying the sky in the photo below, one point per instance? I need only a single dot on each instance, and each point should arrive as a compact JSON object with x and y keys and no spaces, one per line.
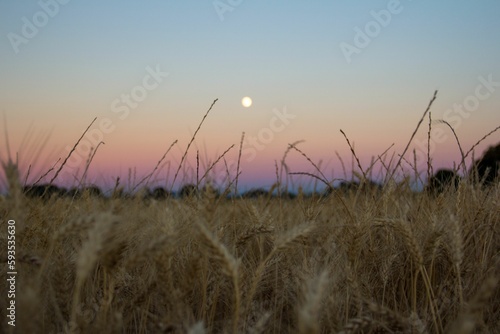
{"x":150,"y":70}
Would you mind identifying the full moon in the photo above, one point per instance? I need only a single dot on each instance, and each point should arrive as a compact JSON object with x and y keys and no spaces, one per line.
{"x":246,"y":102}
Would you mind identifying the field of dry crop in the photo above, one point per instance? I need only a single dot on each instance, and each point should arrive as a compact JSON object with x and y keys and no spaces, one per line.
{"x":382,"y":261}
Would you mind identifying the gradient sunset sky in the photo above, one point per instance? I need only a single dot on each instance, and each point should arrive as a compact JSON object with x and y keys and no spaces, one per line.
{"x":149,"y":70}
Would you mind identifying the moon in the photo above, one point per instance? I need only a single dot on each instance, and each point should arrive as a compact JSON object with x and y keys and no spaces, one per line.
{"x":246,"y":102}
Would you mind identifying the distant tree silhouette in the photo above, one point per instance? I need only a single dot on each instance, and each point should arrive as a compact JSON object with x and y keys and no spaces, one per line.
{"x":487,"y":169}
{"x":188,"y":190}
{"x":260,"y":192}
{"x":255,"y":193}
{"x":348,"y":186}
{"x":288,"y":195}
{"x":159,"y":193}
{"x":44,"y":191}
{"x":442,"y":180}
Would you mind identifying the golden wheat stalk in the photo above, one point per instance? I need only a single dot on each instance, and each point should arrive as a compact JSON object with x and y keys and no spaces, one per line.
{"x":229,"y":266}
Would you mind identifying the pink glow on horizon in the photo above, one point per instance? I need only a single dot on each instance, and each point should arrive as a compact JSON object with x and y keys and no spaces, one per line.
{"x":126,"y":151}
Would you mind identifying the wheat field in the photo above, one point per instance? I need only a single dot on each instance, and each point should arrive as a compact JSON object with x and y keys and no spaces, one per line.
{"x":381,"y":261}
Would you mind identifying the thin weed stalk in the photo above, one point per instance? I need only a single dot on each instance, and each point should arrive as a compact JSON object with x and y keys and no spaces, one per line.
{"x":191,"y":142}
{"x":71,"y":152}
{"x":391,"y":175}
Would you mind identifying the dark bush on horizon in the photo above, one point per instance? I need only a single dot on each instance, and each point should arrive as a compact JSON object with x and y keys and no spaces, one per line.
{"x":159,"y":193}
{"x":188,"y":190}
{"x":255,"y":193}
{"x":287,"y":195}
{"x":487,"y":169}
{"x":44,"y":191}
{"x":442,"y":180}
{"x":348,"y":186}
{"x":261,"y":192}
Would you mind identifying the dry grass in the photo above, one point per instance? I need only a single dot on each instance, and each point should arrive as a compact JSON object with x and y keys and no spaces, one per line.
{"x":363,"y":261}
{"x":420,"y":264}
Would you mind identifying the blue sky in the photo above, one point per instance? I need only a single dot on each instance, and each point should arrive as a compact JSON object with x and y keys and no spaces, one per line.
{"x":280,"y":53}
